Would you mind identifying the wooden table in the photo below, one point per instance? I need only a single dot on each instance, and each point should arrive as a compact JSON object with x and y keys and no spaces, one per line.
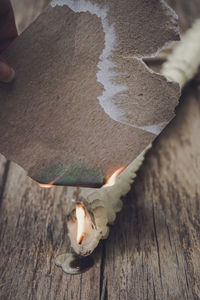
{"x":153,"y":250}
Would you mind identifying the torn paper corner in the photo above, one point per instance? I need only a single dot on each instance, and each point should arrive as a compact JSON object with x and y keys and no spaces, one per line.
{"x":83,"y":103}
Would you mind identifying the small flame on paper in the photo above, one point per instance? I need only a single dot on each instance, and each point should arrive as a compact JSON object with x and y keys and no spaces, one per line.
{"x":112,"y":179}
{"x":45,"y":185}
{"x":51,"y":183}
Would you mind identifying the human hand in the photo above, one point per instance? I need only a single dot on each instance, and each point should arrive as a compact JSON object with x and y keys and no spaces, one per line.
{"x":7,"y":74}
{"x":8,"y":33}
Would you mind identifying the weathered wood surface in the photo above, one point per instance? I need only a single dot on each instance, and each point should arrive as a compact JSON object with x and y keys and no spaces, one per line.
{"x":153,"y":249}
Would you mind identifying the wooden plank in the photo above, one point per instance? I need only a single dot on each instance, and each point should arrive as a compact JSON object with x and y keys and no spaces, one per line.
{"x":153,"y":249}
{"x":33,"y":233}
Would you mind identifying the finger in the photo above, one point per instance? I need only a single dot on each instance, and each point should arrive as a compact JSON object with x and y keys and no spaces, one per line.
{"x":8,"y":31}
{"x":7,"y":74}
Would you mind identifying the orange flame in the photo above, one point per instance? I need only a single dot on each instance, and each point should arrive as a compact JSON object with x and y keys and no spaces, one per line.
{"x":51,"y":183}
{"x":80,"y":216}
{"x":45,"y":185}
{"x":112,"y":179}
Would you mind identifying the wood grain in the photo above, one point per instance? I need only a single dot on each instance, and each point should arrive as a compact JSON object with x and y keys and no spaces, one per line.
{"x":155,"y":254}
{"x":32,"y":233}
{"x":153,"y":249}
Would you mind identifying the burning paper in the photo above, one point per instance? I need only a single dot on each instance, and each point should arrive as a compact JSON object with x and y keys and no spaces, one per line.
{"x":84,"y":103}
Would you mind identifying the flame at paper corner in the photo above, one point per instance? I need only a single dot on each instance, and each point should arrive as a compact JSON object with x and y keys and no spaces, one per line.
{"x":45,"y":185}
{"x":112,"y":179}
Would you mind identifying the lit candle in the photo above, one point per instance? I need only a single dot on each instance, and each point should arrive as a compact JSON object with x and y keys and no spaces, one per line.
{"x":97,"y":208}
{"x":89,"y":218}
{"x":80,"y":217}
